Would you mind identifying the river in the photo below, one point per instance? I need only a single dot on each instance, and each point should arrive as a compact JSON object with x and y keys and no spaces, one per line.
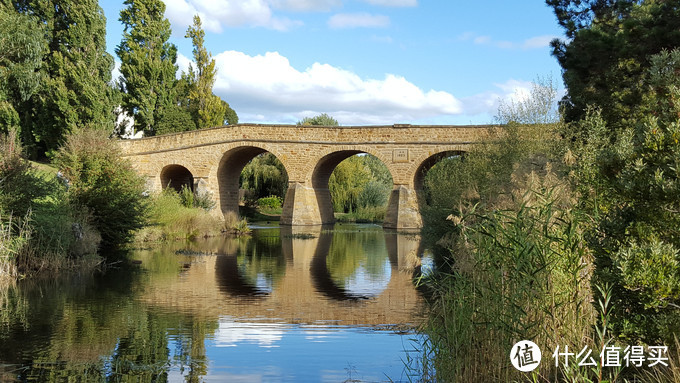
{"x":313,"y":304}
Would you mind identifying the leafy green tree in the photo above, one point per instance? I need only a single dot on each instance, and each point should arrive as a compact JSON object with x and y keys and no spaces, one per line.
{"x":208,"y":110}
{"x":347,"y":182}
{"x":76,"y":72}
{"x":630,"y":186}
{"x":322,"y":119}
{"x":147,"y":63}
{"x":175,"y":119}
{"x":265,"y":175}
{"x":230,"y":116}
{"x":606,"y":57}
{"x":21,"y":52}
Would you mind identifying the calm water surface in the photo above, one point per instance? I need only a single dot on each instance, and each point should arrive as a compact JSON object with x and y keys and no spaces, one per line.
{"x":283,"y":305}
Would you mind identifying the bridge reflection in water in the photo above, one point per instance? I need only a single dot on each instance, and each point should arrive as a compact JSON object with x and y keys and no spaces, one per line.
{"x":297,"y":275}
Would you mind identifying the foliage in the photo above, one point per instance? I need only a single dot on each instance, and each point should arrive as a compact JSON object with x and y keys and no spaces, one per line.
{"x":629,"y":182}
{"x":19,"y":185}
{"x":265,"y":176}
{"x":170,"y":218}
{"x":207,"y":109}
{"x":360,"y":181}
{"x":347,"y":182}
{"x":74,"y":73}
{"x":234,"y":225}
{"x":175,"y":119}
{"x":104,"y":183}
{"x":605,"y":58}
{"x":515,"y":273}
{"x":230,"y":116}
{"x":15,"y":235}
{"x":21,"y":53}
{"x":538,"y":107}
{"x":270,"y":203}
{"x":322,"y":119}
{"x":191,"y":199}
{"x":147,"y":63}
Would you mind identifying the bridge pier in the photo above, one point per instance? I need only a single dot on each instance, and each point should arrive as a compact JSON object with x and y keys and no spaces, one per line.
{"x":304,"y":205}
{"x":403,"y":211}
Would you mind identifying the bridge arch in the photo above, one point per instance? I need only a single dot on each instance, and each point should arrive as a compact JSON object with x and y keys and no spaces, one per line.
{"x":176,"y":176}
{"x":423,"y":165}
{"x":229,"y":171}
{"x":318,"y":177}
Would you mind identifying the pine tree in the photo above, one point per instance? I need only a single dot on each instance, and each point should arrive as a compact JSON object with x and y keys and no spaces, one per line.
{"x":147,"y":63}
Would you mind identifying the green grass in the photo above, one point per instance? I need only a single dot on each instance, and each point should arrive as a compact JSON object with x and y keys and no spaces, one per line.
{"x":363,"y":215}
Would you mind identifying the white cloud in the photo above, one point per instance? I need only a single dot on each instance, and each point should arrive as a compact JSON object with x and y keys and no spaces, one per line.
{"x":266,"y":88}
{"x":537,"y":42}
{"x":487,"y":102}
{"x":306,"y":5}
{"x":394,"y":3}
{"x":358,"y":20}
{"x":218,"y":14}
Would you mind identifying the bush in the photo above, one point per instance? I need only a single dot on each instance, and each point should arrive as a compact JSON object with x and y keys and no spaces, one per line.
{"x":375,"y":193}
{"x":191,"y":199}
{"x":104,"y":183}
{"x":19,"y":185}
{"x":270,"y":203}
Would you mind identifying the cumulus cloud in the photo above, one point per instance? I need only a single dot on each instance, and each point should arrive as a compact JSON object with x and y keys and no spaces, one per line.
{"x":358,"y":20}
{"x":536,"y":42}
{"x":394,"y":3}
{"x":217,"y":14}
{"x":267,"y":88}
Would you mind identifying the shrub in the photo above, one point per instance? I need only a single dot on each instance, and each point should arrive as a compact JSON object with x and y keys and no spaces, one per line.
{"x":270,"y":203}
{"x":192,"y":199}
{"x":375,"y":193}
{"x":104,"y":183}
{"x":19,"y":185}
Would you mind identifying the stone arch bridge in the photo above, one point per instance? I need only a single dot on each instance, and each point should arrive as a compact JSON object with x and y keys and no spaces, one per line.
{"x":212,"y":160}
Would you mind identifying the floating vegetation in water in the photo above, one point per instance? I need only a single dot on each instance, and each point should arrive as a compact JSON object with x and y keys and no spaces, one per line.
{"x":300,"y":236}
{"x":193,"y":252}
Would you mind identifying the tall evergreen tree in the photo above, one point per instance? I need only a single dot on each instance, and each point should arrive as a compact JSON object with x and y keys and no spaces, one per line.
{"x":77,"y":70}
{"x":207,"y":109}
{"x":21,"y":54}
{"x":607,"y":55}
{"x":147,"y":63}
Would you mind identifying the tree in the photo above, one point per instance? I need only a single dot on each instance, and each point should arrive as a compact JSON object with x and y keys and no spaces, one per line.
{"x":76,"y":73}
{"x":147,"y":63}
{"x":539,"y":107}
{"x":320,"y":120}
{"x":606,"y":58}
{"x":207,"y":109}
{"x":230,"y":116}
{"x":21,"y":52}
{"x":265,"y":176}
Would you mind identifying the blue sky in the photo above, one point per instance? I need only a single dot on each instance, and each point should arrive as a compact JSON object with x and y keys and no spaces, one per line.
{"x":366,"y":61}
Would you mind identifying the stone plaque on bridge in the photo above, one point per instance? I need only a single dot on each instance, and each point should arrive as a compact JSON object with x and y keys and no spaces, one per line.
{"x":400,"y":155}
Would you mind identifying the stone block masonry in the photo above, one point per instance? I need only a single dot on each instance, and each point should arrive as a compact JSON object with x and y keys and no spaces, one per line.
{"x":212,"y":160}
